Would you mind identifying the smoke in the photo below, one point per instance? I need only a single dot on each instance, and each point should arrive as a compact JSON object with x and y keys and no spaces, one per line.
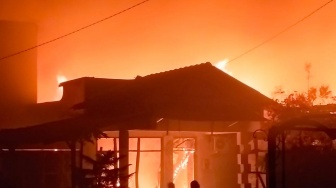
{"x":162,"y":35}
{"x":60,"y":79}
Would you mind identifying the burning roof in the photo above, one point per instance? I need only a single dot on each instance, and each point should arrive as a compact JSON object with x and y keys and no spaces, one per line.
{"x":199,"y":92}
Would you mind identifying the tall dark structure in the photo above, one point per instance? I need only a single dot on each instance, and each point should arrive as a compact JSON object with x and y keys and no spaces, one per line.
{"x":18,"y":73}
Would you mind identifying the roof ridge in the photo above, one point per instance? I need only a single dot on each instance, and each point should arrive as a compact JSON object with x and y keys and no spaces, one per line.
{"x":174,"y":70}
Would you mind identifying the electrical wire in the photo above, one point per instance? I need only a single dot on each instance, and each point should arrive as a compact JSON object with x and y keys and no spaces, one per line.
{"x":138,"y":4}
{"x":73,"y":32}
{"x":279,"y":33}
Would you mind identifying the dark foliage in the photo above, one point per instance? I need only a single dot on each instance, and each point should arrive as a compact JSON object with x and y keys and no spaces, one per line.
{"x":105,"y":172}
{"x":315,"y":102}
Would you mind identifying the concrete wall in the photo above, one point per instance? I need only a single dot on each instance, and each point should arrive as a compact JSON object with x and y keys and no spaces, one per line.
{"x":214,"y":165}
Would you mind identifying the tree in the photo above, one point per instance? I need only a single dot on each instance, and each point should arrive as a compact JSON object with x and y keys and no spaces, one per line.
{"x":325,"y":93}
{"x":105,"y":172}
{"x":304,"y":157}
{"x":312,"y":95}
{"x":297,"y":104}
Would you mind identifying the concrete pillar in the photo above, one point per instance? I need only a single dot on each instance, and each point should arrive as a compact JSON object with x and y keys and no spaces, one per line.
{"x":124,"y":161}
{"x":202,"y":154}
{"x":167,"y":166}
{"x":243,"y":159}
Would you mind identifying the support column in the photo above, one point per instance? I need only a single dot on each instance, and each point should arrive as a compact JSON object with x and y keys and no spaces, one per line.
{"x":72,"y":146}
{"x":124,"y":160}
{"x":167,"y":166}
{"x":244,"y":143}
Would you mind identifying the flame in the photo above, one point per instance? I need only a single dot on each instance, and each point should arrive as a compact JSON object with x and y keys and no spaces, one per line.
{"x":60,"y":79}
{"x":182,"y":165}
{"x":222,"y":65}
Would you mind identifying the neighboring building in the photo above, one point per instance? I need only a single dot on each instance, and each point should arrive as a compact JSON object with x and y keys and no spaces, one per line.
{"x":189,"y":123}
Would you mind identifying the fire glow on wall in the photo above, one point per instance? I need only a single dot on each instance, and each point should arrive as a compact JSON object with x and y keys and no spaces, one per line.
{"x":150,"y":160}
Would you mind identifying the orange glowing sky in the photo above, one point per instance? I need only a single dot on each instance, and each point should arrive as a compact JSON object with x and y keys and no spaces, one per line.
{"x":166,"y":34}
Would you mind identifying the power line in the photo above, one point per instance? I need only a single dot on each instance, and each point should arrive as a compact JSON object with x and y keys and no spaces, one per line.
{"x":73,"y":32}
{"x":281,"y":32}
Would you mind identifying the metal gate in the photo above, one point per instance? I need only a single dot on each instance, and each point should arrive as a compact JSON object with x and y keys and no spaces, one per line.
{"x":302,"y":154}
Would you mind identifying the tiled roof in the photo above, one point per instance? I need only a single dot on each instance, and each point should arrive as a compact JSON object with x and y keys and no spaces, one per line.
{"x":196,"y":92}
{"x":199,"y":92}
{"x":178,"y":70}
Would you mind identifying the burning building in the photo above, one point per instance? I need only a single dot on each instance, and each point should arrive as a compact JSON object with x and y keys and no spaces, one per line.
{"x":176,"y":126}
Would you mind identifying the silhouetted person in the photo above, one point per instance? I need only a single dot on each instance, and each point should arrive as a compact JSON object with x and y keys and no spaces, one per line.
{"x":171,"y":185}
{"x":194,"y":184}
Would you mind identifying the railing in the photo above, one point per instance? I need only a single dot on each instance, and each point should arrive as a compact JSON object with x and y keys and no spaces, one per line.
{"x":283,"y":174}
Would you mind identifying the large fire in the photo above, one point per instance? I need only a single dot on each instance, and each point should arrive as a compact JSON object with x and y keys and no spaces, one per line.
{"x":222,"y":65}
{"x":60,"y":78}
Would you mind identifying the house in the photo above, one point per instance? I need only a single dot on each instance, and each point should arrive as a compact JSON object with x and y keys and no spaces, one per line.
{"x":190,"y":123}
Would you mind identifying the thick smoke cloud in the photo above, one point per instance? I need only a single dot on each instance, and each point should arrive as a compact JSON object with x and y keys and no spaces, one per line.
{"x":163,"y":35}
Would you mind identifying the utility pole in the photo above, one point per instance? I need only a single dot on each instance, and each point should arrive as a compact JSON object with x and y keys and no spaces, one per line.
{"x":307,"y":69}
